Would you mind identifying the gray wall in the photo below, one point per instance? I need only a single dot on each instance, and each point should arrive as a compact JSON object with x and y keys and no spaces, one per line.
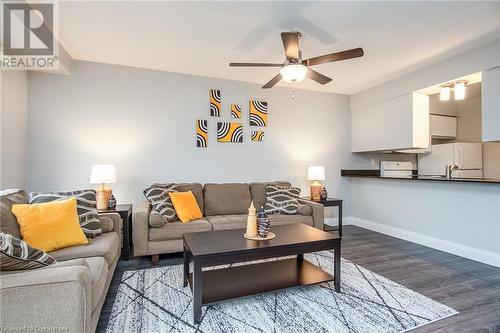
{"x":144,"y":121}
{"x":13,"y":128}
{"x":466,"y":215}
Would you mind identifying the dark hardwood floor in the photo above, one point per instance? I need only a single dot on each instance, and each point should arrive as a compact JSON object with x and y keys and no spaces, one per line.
{"x":470,"y":287}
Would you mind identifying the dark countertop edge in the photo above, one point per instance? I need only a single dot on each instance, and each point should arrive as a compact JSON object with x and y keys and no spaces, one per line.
{"x":376,"y":174}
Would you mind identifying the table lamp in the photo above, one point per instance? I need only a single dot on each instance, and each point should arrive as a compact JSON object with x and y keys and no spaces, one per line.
{"x":316,"y":173}
{"x":103,"y":174}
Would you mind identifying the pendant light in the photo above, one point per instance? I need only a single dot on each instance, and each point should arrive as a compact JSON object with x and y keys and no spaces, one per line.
{"x":460,"y":88}
{"x":445,"y":93}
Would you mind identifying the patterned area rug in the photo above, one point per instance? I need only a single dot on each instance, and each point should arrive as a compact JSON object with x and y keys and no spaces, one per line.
{"x":154,"y":300}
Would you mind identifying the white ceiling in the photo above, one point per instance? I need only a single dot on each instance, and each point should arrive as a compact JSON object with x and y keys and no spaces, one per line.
{"x":202,"y":38}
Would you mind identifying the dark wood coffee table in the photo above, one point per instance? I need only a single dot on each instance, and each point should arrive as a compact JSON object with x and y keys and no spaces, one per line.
{"x":212,"y":248}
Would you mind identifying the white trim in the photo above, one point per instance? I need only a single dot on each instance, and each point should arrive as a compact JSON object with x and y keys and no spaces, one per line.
{"x":487,"y":257}
{"x":334,"y":221}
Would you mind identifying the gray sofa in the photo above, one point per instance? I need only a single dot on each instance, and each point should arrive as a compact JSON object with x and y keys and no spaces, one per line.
{"x":68,"y":295}
{"x":224,"y":206}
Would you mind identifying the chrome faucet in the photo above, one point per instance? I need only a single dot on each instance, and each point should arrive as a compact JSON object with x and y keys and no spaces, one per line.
{"x":449,"y":170}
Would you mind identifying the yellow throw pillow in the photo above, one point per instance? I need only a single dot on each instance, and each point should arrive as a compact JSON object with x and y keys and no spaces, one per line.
{"x":50,"y":226}
{"x":185,"y":206}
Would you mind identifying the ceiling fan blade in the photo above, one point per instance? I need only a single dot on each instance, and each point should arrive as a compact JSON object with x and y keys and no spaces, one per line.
{"x":272,"y":82}
{"x":291,"y":44}
{"x":253,"y":64}
{"x":338,"y":56}
{"x":318,"y":77}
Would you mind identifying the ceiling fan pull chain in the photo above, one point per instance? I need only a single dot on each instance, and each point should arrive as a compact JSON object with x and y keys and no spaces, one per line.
{"x":293,"y":90}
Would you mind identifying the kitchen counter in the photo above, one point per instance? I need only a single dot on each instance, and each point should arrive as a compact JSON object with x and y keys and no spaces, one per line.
{"x":376,"y":174}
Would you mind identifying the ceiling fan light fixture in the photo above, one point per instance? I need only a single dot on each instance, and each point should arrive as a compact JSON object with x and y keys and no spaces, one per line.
{"x":293,"y":73}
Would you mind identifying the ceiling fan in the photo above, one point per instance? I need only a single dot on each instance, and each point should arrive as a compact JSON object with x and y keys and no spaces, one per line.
{"x":294,"y":69}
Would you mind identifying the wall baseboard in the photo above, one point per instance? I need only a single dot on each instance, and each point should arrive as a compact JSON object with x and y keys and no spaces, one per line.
{"x":334,"y":221}
{"x":469,"y":252}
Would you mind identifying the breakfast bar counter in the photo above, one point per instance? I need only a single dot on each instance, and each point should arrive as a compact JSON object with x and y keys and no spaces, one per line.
{"x":376,"y":174}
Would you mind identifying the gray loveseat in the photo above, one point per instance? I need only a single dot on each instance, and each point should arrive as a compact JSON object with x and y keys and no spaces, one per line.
{"x":68,"y":295}
{"x":224,"y":206}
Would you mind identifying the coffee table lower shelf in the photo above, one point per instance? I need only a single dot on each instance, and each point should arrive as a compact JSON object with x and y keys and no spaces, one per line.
{"x":240,"y":281}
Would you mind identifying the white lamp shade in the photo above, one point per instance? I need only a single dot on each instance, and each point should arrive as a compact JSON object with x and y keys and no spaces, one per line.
{"x":103,"y":174}
{"x":316,"y":173}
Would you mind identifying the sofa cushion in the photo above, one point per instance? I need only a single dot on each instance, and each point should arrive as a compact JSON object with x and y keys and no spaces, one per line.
{"x":87,"y":209}
{"x":175,"y":230}
{"x":225,"y":222}
{"x":98,"y":275}
{"x":70,"y":263}
{"x":197,"y":190}
{"x":16,"y":254}
{"x":258,"y":191}
{"x":225,"y":199}
{"x":106,"y":245}
{"x":158,"y":196}
{"x":8,"y":222}
{"x":282,"y":219}
{"x":282,"y":200}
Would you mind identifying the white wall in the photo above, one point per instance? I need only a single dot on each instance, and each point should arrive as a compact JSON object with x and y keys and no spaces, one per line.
{"x":144,"y":121}
{"x":13,"y":128}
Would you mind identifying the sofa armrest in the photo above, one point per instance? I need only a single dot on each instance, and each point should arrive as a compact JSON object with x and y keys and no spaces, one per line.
{"x":318,"y":212}
{"x":140,"y":228}
{"x":57,"y":298}
{"x":117,"y":221}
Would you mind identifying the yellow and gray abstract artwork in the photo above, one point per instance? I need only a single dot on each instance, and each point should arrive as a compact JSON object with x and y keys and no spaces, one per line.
{"x":257,"y":135}
{"x":258,"y":113}
{"x":229,"y":132}
{"x":215,"y":104}
{"x":235,"y":111}
{"x":202,"y":133}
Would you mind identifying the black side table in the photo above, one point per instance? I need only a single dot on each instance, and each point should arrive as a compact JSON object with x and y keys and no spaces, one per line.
{"x":125,"y":211}
{"x":331,"y":202}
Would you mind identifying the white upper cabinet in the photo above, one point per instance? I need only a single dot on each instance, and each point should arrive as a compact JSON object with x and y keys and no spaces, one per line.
{"x":443,"y":126}
{"x":398,"y":123}
{"x":490,"y":95}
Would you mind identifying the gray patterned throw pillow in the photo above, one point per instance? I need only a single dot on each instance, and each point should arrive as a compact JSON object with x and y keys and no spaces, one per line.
{"x":16,"y":255}
{"x":282,"y":200}
{"x":85,"y":204}
{"x":157,"y":195}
